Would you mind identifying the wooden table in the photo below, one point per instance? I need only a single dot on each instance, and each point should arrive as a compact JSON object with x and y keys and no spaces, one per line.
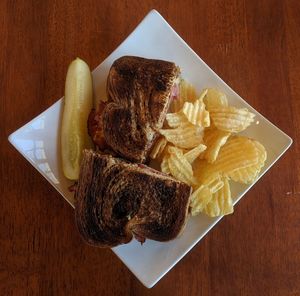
{"x":253,"y":45}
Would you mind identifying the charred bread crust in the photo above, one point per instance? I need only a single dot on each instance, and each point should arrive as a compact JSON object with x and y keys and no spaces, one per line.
{"x":138,"y":92}
{"x":116,"y":200}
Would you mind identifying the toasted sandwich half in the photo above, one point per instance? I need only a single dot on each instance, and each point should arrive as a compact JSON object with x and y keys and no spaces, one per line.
{"x":138,"y":92}
{"x":117,"y":200}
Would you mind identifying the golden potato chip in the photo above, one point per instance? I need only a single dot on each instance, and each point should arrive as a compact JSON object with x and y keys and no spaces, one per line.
{"x":187,"y":93}
{"x":245,"y":175}
{"x":158,"y":148}
{"x":175,"y":119}
{"x":203,"y":94}
{"x":214,"y":99}
{"x":194,"y":153}
{"x":179,"y":167}
{"x":249,"y":174}
{"x":164,"y":166}
{"x":214,"y":139}
{"x":231,"y":119}
{"x":221,"y":202}
{"x":204,"y":172}
{"x":215,"y":184}
{"x":203,"y":195}
{"x":199,"y":199}
{"x":196,"y":113}
{"x":185,"y":136}
{"x":238,"y":152}
{"x":261,"y":151}
{"x":175,"y":150}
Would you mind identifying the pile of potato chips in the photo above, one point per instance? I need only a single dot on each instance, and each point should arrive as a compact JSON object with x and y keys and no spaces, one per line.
{"x":200,"y":147}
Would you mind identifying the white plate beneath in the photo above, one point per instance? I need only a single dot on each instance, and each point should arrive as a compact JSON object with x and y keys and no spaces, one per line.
{"x":38,"y":141}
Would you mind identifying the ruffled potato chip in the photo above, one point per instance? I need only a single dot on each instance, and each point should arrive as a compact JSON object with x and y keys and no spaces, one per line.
{"x":231,"y":119}
{"x":238,"y":152}
{"x":249,"y":174}
{"x":158,"y":148}
{"x":215,"y":185}
{"x":179,"y":167}
{"x":203,"y":195}
{"x":199,"y":199}
{"x":214,"y":139}
{"x":203,"y":94}
{"x":204,"y":172}
{"x":187,"y":93}
{"x":185,"y":136}
{"x":214,"y":99}
{"x":221,"y":202}
{"x":196,"y":113}
{"x":174,"y":120}
{"x":194,"y":153}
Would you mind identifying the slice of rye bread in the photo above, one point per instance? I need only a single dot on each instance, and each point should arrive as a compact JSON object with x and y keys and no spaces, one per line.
{"x":138,"y":92}
{"x":116,"y":200}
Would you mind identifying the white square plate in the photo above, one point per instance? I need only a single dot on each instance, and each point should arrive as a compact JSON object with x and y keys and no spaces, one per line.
{"x":38,"y":141}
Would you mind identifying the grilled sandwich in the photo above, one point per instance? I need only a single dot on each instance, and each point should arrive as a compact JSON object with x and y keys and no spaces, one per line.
{"x":139,"y":93}
{"x":117,"y":200}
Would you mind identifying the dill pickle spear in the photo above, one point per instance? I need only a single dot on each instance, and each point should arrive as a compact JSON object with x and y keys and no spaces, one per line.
{"x":78,"y":102}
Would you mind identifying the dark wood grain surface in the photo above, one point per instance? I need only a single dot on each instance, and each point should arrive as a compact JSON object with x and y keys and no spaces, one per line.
{"x":253,"y":45}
